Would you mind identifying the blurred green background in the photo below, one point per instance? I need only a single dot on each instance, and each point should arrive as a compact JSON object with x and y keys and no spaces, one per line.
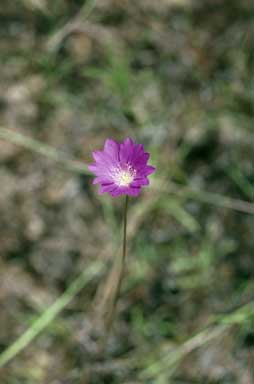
{"x":176,"y":75}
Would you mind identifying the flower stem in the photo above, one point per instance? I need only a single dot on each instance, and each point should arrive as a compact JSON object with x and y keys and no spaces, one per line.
{"x":125,"y":230}
{"x":116,"y":276}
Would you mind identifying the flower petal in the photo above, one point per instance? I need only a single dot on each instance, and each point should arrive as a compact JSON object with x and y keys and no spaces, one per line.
{"x":116,"y":192}
{"x":134,"y":191}
{"x":92,"y":167}
{"x":102,"y":181}
{"x":138,"y":181}
{"x":101,"y":171}
{"x":107,"y":188}
{"x":126,"y":151}
{"x":147,"y":170}
{"x":98,"y":156}
{"x":112,"y":147}
{"x":141,"y":160}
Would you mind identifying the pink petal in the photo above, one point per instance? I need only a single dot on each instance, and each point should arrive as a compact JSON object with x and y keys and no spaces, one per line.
{"x":107,"y":188}
{"x":98,"y":156}
{"x":112,"y":147}
{"x":147,"y":170}
{"x":102,"y":181}
{"x":138,"y":181}
{"x":134,"y":191}
{"x":126,"y":150}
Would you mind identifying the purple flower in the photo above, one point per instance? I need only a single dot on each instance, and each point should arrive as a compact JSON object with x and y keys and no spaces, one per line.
{"x":121,"y":168}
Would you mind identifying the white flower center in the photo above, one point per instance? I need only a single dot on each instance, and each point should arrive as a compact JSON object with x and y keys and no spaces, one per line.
{"x":123,"y":177}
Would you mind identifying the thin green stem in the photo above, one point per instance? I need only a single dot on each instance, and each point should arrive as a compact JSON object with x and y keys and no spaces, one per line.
{"x":125,"y":229}
{"x":118,"y":273}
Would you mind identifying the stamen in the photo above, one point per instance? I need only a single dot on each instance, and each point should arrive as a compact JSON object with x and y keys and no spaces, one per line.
{"x":123,"y":177}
